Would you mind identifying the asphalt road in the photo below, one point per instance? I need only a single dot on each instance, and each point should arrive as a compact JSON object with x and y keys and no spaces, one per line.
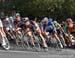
{"x":18,"y":52}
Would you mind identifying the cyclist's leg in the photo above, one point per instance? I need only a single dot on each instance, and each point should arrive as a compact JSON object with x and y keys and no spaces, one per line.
{"x":58,"y":40}
{"x":31,"y":37}
{"x":52,"y":31}
{"x":61,"y":38}
{"x":42,"y":37}
{"x":2,"y":33}
{"x":18,"y":30}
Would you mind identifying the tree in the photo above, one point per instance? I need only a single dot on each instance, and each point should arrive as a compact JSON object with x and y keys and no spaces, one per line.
{"x":41,"y":8}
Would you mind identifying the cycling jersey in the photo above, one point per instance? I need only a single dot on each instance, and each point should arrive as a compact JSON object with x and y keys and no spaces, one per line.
{"x":66,"y":29}
{"x":18,"y":23}
{"x":29,"y":25}
{"x":49,"y":27}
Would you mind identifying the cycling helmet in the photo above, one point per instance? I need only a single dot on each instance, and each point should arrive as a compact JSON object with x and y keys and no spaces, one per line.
{"x":7,"y":19}
{"x":26,"y":19}
{"x":55,"y":22}
{"x":17,"y":14}
{"x":45,"y":19}
{"x":69,"y":20}
{"x":11,"y":18}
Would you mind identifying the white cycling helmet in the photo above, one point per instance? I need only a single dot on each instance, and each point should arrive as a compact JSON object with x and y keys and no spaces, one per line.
{"x":11,"y":18}
{"x":69,"y":20}
{"x":45,"y":19}
{"x":26,"y":19}
{"x":17,"y":14}
{"x":55,"y":22}
{"x":7,"y":19}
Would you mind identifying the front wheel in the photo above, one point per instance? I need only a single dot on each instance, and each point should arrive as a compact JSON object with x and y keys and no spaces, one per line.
{"x":7,"y":45}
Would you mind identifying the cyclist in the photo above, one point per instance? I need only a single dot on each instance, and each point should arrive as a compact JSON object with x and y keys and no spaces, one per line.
{"x":2,"y":33}
{"x":32,"y":25}
{"x":48,"y":26}
{"x":59,"y":32}
{"x":70,"y":28}
{"x":65,"y":28}
{"x":27,"y":27}
{"x":18,"y":24}
{"x":38,"y":31}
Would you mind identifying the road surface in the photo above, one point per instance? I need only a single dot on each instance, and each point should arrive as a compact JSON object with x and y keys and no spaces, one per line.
{"x":17,"y":52}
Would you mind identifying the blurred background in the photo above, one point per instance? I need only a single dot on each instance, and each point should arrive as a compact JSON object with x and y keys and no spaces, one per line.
{"x":57,"y":9}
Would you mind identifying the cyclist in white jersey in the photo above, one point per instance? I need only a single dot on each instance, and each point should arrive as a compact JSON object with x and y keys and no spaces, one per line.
{"x":2,"y":33}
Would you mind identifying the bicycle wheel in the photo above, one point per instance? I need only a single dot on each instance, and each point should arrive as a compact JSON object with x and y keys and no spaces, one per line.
{"x":37,"y":41}
{"x":25,"y":43}
{"x":72,"y":39}
{"x":7,"y":45}
{"x":18,"y":39}
{"x":62,"y":40}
